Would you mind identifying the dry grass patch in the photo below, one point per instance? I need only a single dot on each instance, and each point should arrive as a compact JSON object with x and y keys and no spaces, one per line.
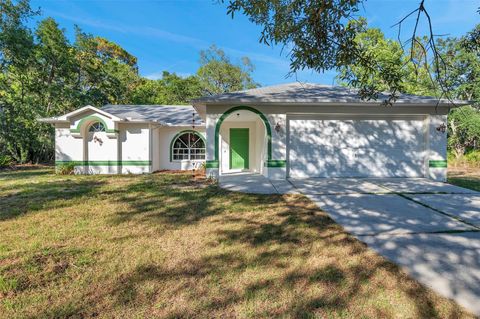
{"x":167,"y":245}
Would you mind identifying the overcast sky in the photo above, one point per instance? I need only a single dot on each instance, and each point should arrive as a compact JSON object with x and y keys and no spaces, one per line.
{"x":168,"y":34}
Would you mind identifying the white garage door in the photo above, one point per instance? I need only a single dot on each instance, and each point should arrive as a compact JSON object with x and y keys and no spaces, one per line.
{"x":360,"y":147}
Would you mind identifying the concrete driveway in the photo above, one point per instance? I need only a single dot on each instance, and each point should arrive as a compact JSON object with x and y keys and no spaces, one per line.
{"x":431,"y":229}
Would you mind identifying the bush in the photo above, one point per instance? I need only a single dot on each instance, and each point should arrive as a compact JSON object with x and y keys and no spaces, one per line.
{"x":470,"y":159}
{"x":5,"y":161}
{"x":66,"y":168}
{"x":473,"y":158}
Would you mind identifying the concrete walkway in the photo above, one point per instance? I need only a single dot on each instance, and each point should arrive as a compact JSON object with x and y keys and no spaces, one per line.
{"x":255,"y":184}
{"x":429,"y":228}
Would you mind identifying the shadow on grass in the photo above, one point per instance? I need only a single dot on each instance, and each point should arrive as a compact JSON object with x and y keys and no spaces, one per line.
{"x":43,"y":195}
{"x":264,"y":232}
{"x":470,"y":182}
{"x":23,"y":173}
{"x":169,"y":202}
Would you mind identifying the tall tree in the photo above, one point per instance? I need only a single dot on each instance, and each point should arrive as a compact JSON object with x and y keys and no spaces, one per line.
{"x":42,"y":74}
{"x":218,"y":74}
{"x":321,"y":35}
{"x":170,"y":89}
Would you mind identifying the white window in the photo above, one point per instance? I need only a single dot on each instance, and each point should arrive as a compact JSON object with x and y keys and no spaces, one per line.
{"x":96,"y":127}
{"x":188,"y":146}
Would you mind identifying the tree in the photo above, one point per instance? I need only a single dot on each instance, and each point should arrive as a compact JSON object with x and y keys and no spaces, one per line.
{"x":462,"y":71}
{"x":463,"y":129}
{"x":106,"y":73}
{"x":392,"y":63}
{"x":170,"y":89}
{"x":323,"y":35}
{"x":42,"y":74}
{"x":218,"y":74}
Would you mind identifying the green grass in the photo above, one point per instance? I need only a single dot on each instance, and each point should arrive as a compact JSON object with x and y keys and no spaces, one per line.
{"x":164,"y":245}
{"x":465,"y":177}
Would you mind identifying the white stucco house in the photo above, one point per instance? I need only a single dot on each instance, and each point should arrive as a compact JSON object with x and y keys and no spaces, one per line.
{"x":293,"y":130}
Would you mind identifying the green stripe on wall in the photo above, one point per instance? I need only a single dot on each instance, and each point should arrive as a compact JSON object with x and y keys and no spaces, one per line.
{"x":276,"y":163}
{"x":437,"y":163}
{"x":106,"y":163}
{"x":211,"y":164}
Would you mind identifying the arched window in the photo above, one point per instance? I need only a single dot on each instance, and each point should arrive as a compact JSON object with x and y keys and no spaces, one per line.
{"x":97,"y":127}
{"x":188,"y":146}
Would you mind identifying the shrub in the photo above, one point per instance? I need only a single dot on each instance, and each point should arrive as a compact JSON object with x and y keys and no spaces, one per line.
{"x":5,"y":161}
{"x":66,"y":168}
{"x":470,"y":159}
{"x":473,"y":158}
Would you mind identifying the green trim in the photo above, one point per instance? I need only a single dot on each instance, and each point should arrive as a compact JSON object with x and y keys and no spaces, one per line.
{"x":276,"y":163}
{"x":106,"y":163}
{"x":437,"y":163}
{"x":247,"y":108}
{"x":180,"y":133}
{"x":92,"y":118}
{"x":237,"y":146}
{"x":211,"y":164}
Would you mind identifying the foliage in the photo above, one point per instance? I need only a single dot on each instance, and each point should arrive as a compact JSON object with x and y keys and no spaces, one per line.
{"x":324,"y":35}
{"x":217,"y":74}
{"x":464,"y":129}
{"x":42,"y":74}
{"x":170,"y":89}
{"x":5,"y":161}
{"x":65,"y":168}
{"x":462,"y":74}
{"x":316,"y":31}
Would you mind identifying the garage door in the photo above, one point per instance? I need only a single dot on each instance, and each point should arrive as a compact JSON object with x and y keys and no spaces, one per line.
{"x":356,"y":147}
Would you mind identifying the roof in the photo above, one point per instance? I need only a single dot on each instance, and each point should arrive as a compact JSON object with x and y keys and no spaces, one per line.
{"x":312,"y":93}
{"x":170,"y":115}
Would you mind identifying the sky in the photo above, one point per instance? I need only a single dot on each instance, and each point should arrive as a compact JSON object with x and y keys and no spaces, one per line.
{"x":169,"y":34}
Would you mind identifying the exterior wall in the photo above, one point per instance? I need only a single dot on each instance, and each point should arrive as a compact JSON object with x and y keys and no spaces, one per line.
{"x":436,"y":160}
{"x":134,"y":152}
{"x":165,"y":136}
{"x":79,"y":122}
{"x":67,"y":148}
{"x":276,"y":168}
{"x":260,"y":143}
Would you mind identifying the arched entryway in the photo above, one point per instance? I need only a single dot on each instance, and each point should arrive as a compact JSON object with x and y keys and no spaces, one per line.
{"x":243,"y":141}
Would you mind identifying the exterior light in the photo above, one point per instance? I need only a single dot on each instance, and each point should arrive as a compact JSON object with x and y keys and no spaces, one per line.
{"x":278,"y":127}
{"x":441,"y":128}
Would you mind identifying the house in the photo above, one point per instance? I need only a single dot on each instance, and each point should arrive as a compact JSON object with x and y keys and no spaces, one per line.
{"x":296,"y":130}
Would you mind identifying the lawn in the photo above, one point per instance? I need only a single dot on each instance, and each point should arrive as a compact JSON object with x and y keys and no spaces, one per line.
{"x":465,"y":177}
{"x":165,"y":245}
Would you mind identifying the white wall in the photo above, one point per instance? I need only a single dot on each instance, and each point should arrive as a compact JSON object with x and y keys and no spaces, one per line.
{"x":75,"y":120}
{"x":135,"y":147}
{"x":437,"y":148}
{"x":164,"y":136}
{"x":67,"y":148}
{"x":260,"y":145}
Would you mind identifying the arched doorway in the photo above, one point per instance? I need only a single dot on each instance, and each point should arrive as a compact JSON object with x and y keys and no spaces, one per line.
{"x":242,"y":141}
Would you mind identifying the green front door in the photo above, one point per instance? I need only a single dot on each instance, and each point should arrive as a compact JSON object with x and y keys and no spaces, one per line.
{"x":239,"y":148}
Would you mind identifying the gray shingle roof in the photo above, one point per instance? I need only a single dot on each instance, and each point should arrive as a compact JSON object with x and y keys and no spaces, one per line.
{"x":171,"y":115}
{"x":297,"y":92}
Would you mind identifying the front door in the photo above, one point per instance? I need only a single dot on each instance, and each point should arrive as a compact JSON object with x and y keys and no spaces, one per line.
{"x":239,"y":138}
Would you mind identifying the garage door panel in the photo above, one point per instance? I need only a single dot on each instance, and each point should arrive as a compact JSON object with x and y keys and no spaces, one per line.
{"x":356,"y":148}
{"x":357,"y":133}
